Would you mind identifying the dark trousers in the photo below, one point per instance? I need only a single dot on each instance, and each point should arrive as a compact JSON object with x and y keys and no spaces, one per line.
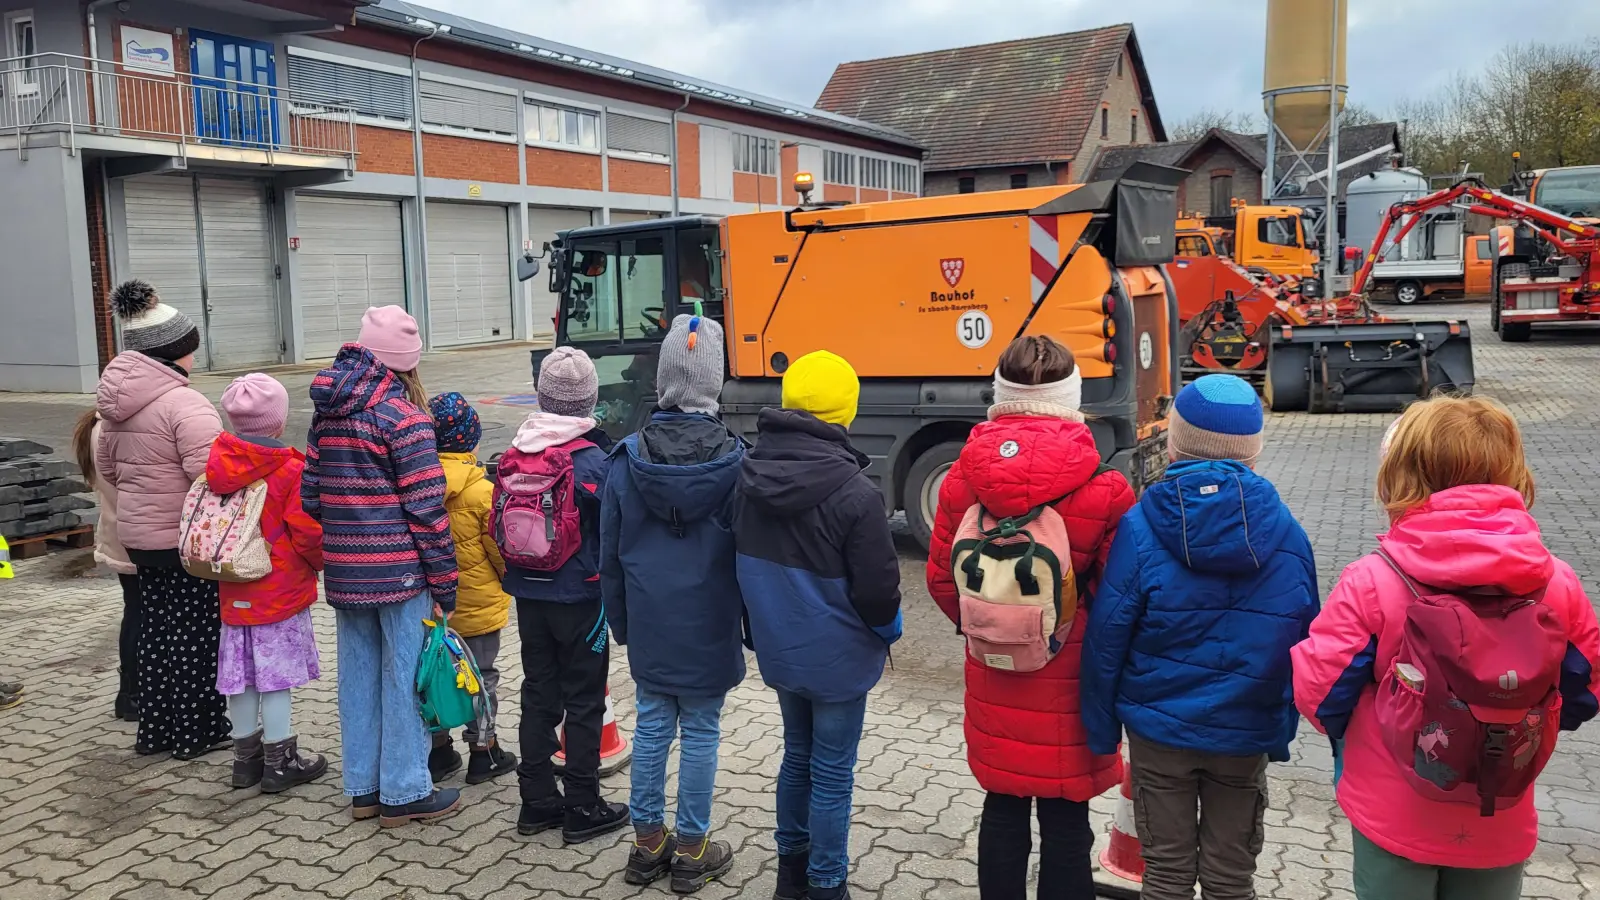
{"x":1005,"y":839}
{"x":128,"y":646}
{"x":1199,"y":817}
{"x":566,"y":655}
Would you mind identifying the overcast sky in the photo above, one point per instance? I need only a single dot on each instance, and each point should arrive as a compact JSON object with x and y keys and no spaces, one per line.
{"x":1199,"y":54}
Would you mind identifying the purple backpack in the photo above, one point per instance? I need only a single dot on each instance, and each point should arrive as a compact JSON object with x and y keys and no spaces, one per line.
{"x":534,"y":519}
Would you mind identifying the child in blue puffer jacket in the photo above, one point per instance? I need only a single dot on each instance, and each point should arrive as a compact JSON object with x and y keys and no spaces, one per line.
{"x":1209,"y":584}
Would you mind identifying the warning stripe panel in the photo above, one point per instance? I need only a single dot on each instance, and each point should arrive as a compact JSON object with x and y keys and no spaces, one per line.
{"x":1044,"y":252}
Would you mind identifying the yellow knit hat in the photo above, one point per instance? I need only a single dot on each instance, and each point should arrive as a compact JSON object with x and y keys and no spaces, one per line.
{"x":824,"y":385}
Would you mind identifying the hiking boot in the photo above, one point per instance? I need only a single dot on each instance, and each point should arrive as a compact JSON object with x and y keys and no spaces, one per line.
{"x":483,"y":765}
{"x":647,"y":866}
{"x":11,"y":687}
{"x":695,"y":864}
{"x":10,"y":699}
{"x":584,"y":823}
{"x":248,"y":761}
{"x":219,"y":742}
{"x":443,"y":802}
{"x":287,"y":766}
{"x":792,"y":882}
{"x":443,"y":761}
{"x":365,"y":806}
{"x":842,"y":892}
{"x":541,"y":816}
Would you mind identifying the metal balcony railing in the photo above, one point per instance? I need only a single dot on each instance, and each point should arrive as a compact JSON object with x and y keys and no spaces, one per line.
{"x":52,"y":92}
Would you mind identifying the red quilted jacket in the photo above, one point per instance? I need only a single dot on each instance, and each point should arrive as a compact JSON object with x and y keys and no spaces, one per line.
{"x":1025,"y":735}
{"x":296,"y":538}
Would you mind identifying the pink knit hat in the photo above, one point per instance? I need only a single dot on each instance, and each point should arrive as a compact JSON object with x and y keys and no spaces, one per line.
{"x":391,"y":334}
{"x":257,"y":404}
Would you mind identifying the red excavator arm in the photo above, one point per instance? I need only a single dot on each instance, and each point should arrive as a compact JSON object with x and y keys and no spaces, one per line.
{"x":1569,"y":235}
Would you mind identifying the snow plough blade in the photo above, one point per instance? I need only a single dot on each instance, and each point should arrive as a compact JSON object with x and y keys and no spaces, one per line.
{"x":1366,"y":367}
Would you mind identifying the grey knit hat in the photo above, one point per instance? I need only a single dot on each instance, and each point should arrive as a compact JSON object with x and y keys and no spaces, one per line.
{"x":568,"y":385}
{"x":689,"y":376}
{"x":150,"y":326}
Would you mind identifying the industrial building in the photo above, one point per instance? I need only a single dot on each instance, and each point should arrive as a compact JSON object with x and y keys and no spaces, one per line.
{"x":276,"y":166}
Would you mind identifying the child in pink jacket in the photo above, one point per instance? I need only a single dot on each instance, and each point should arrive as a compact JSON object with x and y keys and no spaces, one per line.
{"x":1457,"y":489}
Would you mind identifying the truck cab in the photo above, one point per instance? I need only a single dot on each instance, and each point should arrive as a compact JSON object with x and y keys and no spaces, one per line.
{"x":1273,"y":238}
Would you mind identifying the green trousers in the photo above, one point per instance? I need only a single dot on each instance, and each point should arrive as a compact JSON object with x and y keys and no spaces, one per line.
{"x":1380,"y":875}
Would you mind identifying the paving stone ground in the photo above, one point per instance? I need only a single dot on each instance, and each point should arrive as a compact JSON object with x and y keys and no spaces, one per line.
{"x":86,"y":818}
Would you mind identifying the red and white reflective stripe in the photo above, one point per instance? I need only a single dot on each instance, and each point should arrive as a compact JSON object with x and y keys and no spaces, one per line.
{"x":1504,"y":238}
{"x":1044,"y":249}
{"x":1123,"y":820}
{"x":611,"y":712}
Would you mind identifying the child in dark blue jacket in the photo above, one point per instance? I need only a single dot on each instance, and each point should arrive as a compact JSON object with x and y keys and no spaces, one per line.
{"x":565,"y":653}
{"x":1209,"y":584}
{"x":671,"y":590}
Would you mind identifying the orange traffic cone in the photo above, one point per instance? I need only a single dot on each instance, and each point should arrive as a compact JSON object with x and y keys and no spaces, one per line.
{"x":1123,"y":856}
{"x":615,"y":751}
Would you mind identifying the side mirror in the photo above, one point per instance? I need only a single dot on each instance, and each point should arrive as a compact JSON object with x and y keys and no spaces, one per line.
{"x":527,"y":266}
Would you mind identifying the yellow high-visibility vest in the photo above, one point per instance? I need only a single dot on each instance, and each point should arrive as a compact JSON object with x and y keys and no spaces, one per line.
{"x":5,"y":559}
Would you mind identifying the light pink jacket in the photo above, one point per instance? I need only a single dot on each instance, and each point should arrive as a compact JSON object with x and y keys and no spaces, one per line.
{"x":155,"y":437}
{"x":1475,"y":536}
{"x":107,"y":548}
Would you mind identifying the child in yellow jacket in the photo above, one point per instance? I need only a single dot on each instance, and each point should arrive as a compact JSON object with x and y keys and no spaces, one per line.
{"x":483,"y":608}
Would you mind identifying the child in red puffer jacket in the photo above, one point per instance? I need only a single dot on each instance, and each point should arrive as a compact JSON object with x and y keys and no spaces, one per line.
{"x":1025,"y":736}
{"x":267,"y":645}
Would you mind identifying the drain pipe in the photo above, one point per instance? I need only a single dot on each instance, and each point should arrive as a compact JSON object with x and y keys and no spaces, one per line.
{"x":421,"y":312}
{"x":94,"y":53}
{"x":675,"y":152}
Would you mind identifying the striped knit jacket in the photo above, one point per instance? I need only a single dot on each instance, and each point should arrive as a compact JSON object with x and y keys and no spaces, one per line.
{"x":373,"y":480}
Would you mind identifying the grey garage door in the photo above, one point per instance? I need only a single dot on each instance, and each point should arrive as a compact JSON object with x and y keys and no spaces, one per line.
{"x":543,"y":224}
{"x":469,"y":274}
{"x":351,"y":256}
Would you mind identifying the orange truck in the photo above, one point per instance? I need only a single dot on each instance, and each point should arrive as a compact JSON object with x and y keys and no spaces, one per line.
{"x":921,"y":296}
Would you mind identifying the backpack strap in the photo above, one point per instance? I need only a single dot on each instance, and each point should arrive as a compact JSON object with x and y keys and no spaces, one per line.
{"x":1410,"y":585}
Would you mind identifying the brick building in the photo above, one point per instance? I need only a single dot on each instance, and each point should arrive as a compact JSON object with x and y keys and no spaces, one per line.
{"x":257,"y":160}
{"x":1006,"y":115}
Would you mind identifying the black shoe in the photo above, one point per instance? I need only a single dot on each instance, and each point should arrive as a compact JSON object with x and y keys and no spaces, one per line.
{"x":152,"y":749}
{"x":443,"y":762}
{"x":443,"y":802}
{"x":483,"y":765}
{"x":646,"y":866}
{"x":248,"y":761}
{"x":125,"y":709}
{"x":287,"y":767}
{"x":792,"y":882}
{"x":220,"y":742}
{"x":695,"y":865}
{"x":585,"y":823}
{"x":365,"y":806}
{"x":842,"y":892}
{"x":541,"y":816}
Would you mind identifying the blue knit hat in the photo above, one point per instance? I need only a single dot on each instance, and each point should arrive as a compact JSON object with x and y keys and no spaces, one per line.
{"x":1216,"y":417}
{"x":455,"y":423}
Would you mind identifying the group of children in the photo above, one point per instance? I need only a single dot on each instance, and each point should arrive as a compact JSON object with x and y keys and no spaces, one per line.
{"x":1187,"y":618}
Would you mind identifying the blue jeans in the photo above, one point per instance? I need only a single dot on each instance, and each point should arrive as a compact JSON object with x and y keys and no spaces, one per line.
{"x":384,"y":742}
{"x":815,"y":782}
{"x":659,"y":720}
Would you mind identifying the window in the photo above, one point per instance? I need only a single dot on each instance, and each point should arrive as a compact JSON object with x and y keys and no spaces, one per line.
{"x":1281,"y":231}
{"x":1193,"y":245}
{"x":966,"y":184}
{"x":874,"y":173}
{"x":755,"y":155}
{"x":1119,"y":65}
{"x":1019,"y":181}
{"x":1483,"y":249}
{"x":838,"y":167}
{"x":905,"y":178}
{"x":1133,"y":129}
{"x":468,"y":108}
{"x":635,"y":135}
{"x":1105,"y":122}
{"x":375,"y":93}
{"x":1222,"y":195}
{"x":562,"y":126}
{"x":22,"y":44}
{"x":616,"y":291}
{"x":700,"y":270}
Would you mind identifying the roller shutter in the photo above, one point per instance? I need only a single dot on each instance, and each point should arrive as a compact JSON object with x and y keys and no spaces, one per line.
{"x":351,"y":256}
{"x":469,"y":274}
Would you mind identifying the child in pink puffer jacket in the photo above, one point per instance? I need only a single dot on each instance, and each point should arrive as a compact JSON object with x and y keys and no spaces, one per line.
{"x":1457,"y":489}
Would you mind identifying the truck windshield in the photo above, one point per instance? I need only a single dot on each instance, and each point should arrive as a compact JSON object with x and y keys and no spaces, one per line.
{"x":1570,"y":192}
{"x":1280,"y":230}
{"x":616,"y":292}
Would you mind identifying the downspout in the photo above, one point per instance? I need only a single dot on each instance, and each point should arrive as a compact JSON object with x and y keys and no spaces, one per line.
{"x":675,"y":153}
{"x":94,"y":54}
{"x":421,"y":189}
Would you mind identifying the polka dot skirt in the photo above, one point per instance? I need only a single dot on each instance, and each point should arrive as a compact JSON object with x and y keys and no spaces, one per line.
{"x":179,"y":707}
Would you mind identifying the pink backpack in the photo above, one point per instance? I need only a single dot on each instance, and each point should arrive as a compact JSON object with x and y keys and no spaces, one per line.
{"x":1471,"y":707}
{"x":534,"y":519}
{"x":1017,"y":589}
{"x":219,"y":535}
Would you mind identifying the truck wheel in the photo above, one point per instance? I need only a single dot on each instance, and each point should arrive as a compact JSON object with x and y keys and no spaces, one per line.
{"x":1515,"y":332}
{"x":921,"y":491}
{"x":1408,"y":292}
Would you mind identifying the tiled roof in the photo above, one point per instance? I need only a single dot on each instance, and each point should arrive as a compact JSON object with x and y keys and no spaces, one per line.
{"x":1020,"y":101}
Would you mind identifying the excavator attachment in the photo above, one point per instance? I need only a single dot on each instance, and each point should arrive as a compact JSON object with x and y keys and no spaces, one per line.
{"x":1369,"y":366}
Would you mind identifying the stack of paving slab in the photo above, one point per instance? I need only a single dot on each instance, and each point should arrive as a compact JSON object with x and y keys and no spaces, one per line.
{"x":41,"y":494}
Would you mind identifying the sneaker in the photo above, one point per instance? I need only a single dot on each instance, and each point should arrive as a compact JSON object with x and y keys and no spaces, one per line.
{"x":248,"y":761}
{"x":542,"y":816}
{"x":219,"y":742}
{"x":792,"y":884}
{"x":484,"y":765}
{"x":286,"y":766}
{"x":695,"y":865}
{"x":10,"y":699}
{"x":646,"y":866}
{"x":365,"y":806}
{"x":443,"y":802}
{"x":11,"y":687}
{"x":585,"y":823}
{"x":443,"y":761}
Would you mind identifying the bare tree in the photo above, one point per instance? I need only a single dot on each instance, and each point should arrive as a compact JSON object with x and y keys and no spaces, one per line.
{"x":1203,"y":120}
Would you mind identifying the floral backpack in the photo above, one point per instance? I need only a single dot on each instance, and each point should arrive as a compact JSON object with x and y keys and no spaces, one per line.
{"x":219,"y":535}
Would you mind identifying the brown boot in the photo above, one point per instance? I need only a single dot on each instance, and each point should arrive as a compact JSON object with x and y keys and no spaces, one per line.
{"x":247,"y":761}
{"x":286,"y":766}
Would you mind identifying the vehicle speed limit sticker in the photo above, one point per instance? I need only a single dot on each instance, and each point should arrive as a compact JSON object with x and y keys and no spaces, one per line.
{"x":1147,"y":350}
{"x":974,"y":329}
